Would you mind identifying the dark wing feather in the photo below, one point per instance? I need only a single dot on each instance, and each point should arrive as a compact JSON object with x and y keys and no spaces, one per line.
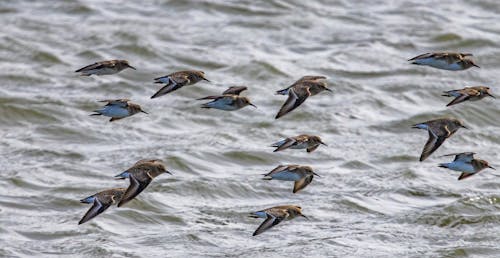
{"x":135,"y":188}
{"x":312,"y":148}
{"x":270,"y":222}
{"x":302,"y":183}
{"x":210,"y":97}
{"x":98,"y":65}
{"x":296,"y":96}
{"x":465,"y":175}
{"x":289,"y":142}
{"x":426,"y":55}
{"x":97,"y":208}
{"x":431,"y":145}
{"x":459,"y":99}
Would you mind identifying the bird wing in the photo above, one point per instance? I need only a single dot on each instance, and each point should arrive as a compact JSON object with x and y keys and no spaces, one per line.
{"x":135,"y":188}
{"x":302,"y":183}
{"x":465,"y":175}
{"x":97,"y":208}
{"x":312,"y":148}
{"x":466,"y":157}
{"x":116,"y":102}
{"x":459,"y":99}
{"x":426,"y":55}
{"x":431,"y":145}
{"x":278,"y":169}
{"x":271,"y":221}
{"x":210,"y":97}
{"x":97,"y":65}
{"x":235,"y":90}
{"x":296,"y":96}
{"x":289,"y":142}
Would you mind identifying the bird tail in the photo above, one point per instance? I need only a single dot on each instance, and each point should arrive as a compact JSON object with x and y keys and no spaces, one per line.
{"x":443,"y":165}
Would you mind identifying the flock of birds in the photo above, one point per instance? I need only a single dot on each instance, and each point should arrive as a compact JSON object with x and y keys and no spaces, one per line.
{"x":144,"y":171}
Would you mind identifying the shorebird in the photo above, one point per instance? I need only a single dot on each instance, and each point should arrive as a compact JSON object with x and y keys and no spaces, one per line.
{"x":104,"y":68}
{"x":141,"y":174}
{"x":301,"y":80}
{"x":299,"y":93}
{"x":439,"y":130}
{"x":303,"y":141}
{"x":466,"y":163}
{"x":276,"y":215}
{"x":227,"y":102}
{"x":468,"y":94}
{"x":177,"y":80}
{"x":118,"y":109}
{"x":101,"y":201}
{"x":301,"y":175}
{"x":446,"y":60}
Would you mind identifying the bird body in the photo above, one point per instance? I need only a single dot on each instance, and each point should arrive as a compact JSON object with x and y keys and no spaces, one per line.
{"x":466,"y":163}
{"x":118,"y":109}
{"x":104,"y":68}
{"x":439,"y":130}
{"x":445,"y":60}
{"x":299,"y":93}
{"x":177,"y":80}
{"x":275,"y":215}
{"x":303,"y":141}
{"x":227,"y":102}
{"x":101,"y":201}
{"x":141,"y":174}
{"x":468,"y":94}
{"x":301,"y":175}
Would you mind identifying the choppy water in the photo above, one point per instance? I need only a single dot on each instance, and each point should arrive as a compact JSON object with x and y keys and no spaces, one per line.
{"x":374,"y":198}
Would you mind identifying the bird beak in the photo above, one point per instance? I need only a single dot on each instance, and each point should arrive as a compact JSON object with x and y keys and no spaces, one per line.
{"x":252,"y":105}
{"x":316,"y":174}
{"x":168,"y":172}
{"x":129,"y":66}
{"x":120,"y":176}
{"x":329,"y":90}
{"x":304,"y":216}
{"x":323,"y":143}
{"x":475,"y":65}
{"x":489,"y":94}
{"x":144,"y":112}
{"x":463,"y":126}
{"x":205,"y":79}
{"x":492,"y":167}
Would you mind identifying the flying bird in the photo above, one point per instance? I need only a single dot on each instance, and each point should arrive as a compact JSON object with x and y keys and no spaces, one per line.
{"x":301,"y":175}
{"x":466,"y":163}
{"x":104,"y":68}
{"x":299,"y":93}
{"x":118,"y":109}
{"x":303,"y":141}
{"x":227,"y":102}
{"x":141,"y":174}
{"x":439,"y":130}
{"x":100,"y":202}
{"x":468,"y":94}
{"x":177,"y":80}
{"x":276,"y":215}
{"x":445,"y":60}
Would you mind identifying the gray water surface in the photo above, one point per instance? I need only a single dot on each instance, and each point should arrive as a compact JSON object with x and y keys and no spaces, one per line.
{"x":373,"y":199}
